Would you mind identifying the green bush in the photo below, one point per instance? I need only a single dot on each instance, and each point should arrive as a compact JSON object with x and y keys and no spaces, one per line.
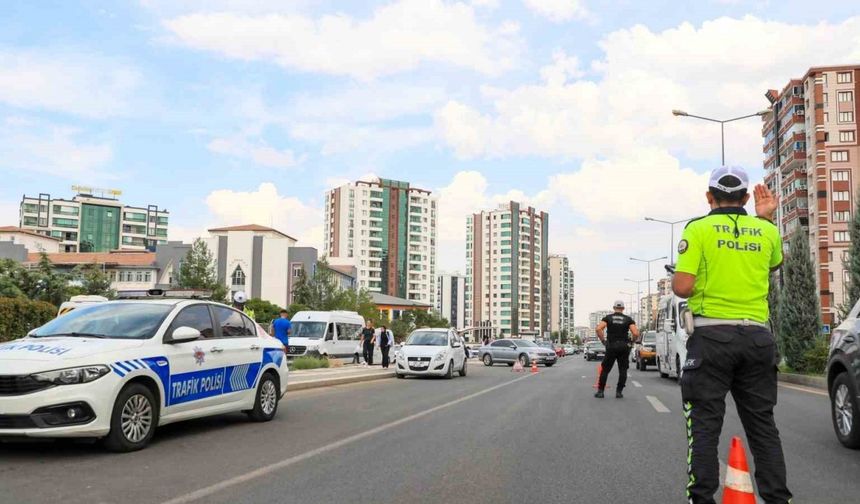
{"x":18,"y":316}
{"x":815,"y":358}
{"x":308,"y":363}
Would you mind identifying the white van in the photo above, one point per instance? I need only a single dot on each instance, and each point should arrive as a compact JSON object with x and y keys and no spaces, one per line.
{"x":671,"y":336}
{"x":328,"y":334}
{"x":76,"y":301}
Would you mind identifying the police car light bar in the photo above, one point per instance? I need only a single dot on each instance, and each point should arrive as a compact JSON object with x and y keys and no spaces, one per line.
{"x":164,"y":294}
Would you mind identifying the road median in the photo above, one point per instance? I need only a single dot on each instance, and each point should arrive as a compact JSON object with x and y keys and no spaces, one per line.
{"x":812,"y":381}
{"x":322,"y":377}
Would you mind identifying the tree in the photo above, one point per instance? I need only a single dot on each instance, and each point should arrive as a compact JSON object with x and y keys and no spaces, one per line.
{"x":773,"y":301}
{"x":10,"y":274}
{"x":264,"y":311}
{"x":799,"y":316}
{"x":44,"y":283}
{"x":93,"y":281}
{"x":851,"y":264}
{"x":198,"y":271}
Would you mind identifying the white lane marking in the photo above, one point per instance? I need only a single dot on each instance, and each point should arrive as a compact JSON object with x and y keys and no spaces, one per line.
{"x":805,"y":389}
{"x":659,"y":406}
{"x":277,"y":466}
{"x":637,"y":384}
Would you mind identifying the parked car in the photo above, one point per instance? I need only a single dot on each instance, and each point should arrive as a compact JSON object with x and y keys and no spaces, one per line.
{"x":437,"y":352}
{"x":645,"y":351}
{"x":509,"y":351}
{"x":116,"y":370}
{"x":843,"y":379}
{"x":569,"y":350}
{"x":559,"y":351}
{"x":594,"y":351}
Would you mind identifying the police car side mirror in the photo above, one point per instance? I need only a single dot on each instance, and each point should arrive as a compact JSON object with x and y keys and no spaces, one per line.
{"x":184,"y":333}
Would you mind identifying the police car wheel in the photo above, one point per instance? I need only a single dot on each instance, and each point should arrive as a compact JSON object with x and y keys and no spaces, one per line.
{"x":266,"y":403}
{"x":845,"y":411}
{"x":133,"y":419}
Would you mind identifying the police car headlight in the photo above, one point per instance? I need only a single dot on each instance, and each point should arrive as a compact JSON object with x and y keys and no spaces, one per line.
{"x":71,"y":376}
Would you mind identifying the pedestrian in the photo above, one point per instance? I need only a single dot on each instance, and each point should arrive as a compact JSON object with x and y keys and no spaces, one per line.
{"x":617,"y":343}
{"x":368,"y":338}
{"x":356,"y":357}
{"x":486,"y":340}
{"x":281,"y":328}
{"x":386,"y":340}
{"x":724,"y":263}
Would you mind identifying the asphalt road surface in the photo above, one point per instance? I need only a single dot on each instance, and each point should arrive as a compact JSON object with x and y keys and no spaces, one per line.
{"x":494,"y":436}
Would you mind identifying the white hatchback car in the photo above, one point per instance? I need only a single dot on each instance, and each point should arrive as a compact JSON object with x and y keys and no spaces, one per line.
{"x":438,"y":352}
{"x":116,"y":370}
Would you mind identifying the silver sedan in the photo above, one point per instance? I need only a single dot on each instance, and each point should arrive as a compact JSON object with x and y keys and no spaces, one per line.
{"x":509,"y":351}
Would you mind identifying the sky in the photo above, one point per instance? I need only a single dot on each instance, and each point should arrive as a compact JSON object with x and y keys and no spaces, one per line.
{"x":240,"y":111}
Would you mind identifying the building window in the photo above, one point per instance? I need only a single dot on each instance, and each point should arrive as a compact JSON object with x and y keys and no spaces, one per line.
{"x":839,"y":156}
{"x":826,"y":117}
{"x":841,"y":236}
{"x":843,"y":77}
{"x":824,"y":98}
{"x":297,"y":270}
{"x":845,"y":96}
{"x":139,"y":276}
{"x":846,"y":136}
{"x":238,"y":276}
{"x":846,"y":117}
{"x":841,"y":216}
{"x":840,"y":196}
{"x":840,"y":175}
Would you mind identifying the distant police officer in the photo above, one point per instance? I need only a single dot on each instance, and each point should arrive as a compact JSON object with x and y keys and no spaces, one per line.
{"x":618,"y":325}
{"x":239,"y":300}
{"x":724,"y":262}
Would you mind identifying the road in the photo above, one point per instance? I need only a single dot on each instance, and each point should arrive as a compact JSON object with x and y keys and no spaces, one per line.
{"x":494,"y":436}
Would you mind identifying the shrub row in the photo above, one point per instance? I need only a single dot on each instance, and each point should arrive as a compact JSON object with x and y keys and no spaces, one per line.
{"x":18,"y":316}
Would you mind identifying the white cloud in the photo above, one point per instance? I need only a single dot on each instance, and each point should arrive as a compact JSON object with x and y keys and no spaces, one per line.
{"x":632,"y":186}
{"x":258,"y":152}
{"x":558,"y":11}
{"x":32,"y":146}
{"x":643,"y":75}
{"x":59,"y":81}
{"x":267,"y":207}
{"x":487,"y":4}
{"x":397,"y":37}
{"x":339,"y":138}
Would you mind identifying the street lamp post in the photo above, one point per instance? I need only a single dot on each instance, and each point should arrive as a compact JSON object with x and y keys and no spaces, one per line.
{"x":681,"y":113}
{"x":629,"y":296}
{"x":648,"y":263}
{"x":638,"y":292}
{"x":672,"y":236}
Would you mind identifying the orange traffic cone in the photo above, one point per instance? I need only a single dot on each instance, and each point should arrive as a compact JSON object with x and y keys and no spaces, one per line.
{"x":597,"y":380}
{"x":534,"y":366}
{"x":738,"y":488}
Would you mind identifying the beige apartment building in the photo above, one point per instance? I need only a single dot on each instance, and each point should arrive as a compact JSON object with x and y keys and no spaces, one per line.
{"x":561,"y":299}
{"x":506,"y":272}
{"x":811,"y":160}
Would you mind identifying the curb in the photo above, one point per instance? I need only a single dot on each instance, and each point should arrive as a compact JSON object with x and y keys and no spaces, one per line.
{"x":331,"y":382}
{"x":818,"y":382}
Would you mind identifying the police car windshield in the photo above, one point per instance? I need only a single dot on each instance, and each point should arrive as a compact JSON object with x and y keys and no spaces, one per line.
{"x":309,"y":330}
{"x":427,"y":338}
{"x":108,"y":320}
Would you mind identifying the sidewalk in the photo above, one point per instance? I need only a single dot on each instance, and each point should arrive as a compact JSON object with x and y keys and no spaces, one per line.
{"x":819,"y":382}
{"x":328,"y":377}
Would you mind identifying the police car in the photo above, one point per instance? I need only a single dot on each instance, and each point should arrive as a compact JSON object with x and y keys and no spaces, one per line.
{"x":118,"y":369}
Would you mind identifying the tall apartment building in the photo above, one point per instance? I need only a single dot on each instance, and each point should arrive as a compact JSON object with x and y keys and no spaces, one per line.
{"x":594,"y":318}
{"x":648,"y":307}
{"x":507,"y":270}
{"x":561,"y":300}
{"x":90,"y":223}
{"x":811,"y":160}
{"x":387,"y":230}
{"x":451,"y":298}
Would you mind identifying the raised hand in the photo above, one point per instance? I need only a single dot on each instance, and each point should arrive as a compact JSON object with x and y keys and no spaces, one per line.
{"x":766,"y":202}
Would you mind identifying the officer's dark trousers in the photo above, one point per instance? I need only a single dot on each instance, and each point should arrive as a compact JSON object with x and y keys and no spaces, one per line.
{"x":741,"y":360}
{"x":615,"y":351}
{"x":368,"y":353}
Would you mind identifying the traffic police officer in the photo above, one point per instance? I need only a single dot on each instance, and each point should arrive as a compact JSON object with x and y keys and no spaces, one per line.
{"x":724,"y":262}
{"x":617,"y":347}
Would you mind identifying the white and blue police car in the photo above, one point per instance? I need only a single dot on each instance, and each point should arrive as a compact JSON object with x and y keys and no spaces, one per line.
{"x":116,"y":370}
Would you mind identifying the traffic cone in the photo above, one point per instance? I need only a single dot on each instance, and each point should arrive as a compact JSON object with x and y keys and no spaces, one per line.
{"x":738,"y":488}
{"x":534,"y":366}
{"x":597,"y":380}
{"x":518,"y":366}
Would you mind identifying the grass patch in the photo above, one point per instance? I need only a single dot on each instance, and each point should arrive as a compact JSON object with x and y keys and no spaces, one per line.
{"x":308,"y":363}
